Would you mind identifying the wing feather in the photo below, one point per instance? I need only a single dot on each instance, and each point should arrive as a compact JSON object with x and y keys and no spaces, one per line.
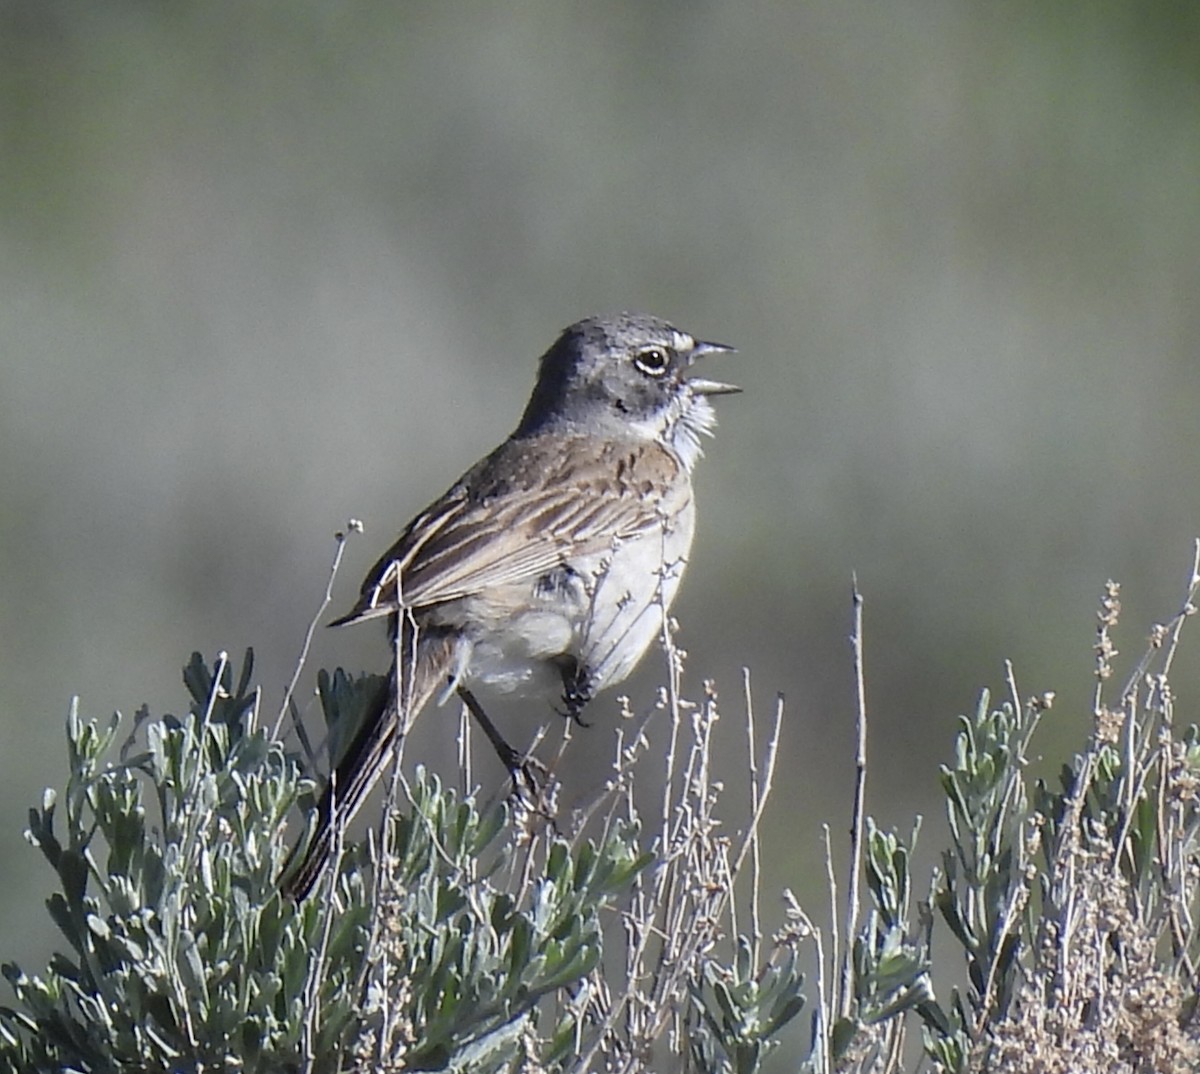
{"x":529,"y":507}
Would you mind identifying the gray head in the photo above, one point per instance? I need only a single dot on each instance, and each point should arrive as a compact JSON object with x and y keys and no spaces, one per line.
{"x":624,"y":376}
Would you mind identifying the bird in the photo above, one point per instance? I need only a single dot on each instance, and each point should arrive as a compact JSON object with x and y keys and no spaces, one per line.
{"x":549,"y":566}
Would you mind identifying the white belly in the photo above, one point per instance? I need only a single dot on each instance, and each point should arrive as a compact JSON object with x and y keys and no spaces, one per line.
{"x":602,"y":613}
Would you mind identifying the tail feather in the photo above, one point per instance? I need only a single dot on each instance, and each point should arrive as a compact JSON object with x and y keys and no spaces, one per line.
{"x":365,"y":759}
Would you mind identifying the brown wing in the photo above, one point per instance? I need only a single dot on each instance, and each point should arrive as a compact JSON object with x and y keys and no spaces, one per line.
{"x":527,"y":508}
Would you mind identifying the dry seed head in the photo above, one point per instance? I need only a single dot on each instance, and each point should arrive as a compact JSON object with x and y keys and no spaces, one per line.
{"x":1108,"y":724}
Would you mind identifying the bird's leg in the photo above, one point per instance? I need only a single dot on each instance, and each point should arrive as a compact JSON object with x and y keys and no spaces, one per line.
{"x":577,"y":689}
{"x":524,"y":771}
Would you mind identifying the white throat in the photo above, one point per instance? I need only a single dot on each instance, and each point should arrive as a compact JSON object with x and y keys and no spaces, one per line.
{"x":681,"y":425}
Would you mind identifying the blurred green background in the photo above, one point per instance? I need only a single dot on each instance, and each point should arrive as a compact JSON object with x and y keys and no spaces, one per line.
{"x":267,"y":266}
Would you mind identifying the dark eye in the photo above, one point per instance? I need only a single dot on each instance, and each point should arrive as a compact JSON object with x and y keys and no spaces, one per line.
{"x":653,"y":361}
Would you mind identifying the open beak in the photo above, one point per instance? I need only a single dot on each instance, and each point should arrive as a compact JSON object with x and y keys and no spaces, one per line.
{"x":702,"y":385}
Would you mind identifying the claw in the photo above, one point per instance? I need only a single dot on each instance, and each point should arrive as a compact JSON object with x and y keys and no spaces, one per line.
{"x":528,"y":776}
{"x":577,"y":692}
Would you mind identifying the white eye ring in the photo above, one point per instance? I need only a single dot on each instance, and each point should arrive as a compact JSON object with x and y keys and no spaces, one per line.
{"x":653,"y":361}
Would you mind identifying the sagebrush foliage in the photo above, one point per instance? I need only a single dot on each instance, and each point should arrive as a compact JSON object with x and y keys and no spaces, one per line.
{"x":181,"y":955}
{"x":469,"y":940}
{"x":511,"y":938}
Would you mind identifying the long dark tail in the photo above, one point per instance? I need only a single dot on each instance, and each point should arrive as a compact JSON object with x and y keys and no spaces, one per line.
{"x":366,"y":758}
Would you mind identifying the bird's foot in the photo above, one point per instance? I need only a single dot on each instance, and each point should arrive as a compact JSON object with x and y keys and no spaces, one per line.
{"x":577,"y":692}
{"x":528,"y":775}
